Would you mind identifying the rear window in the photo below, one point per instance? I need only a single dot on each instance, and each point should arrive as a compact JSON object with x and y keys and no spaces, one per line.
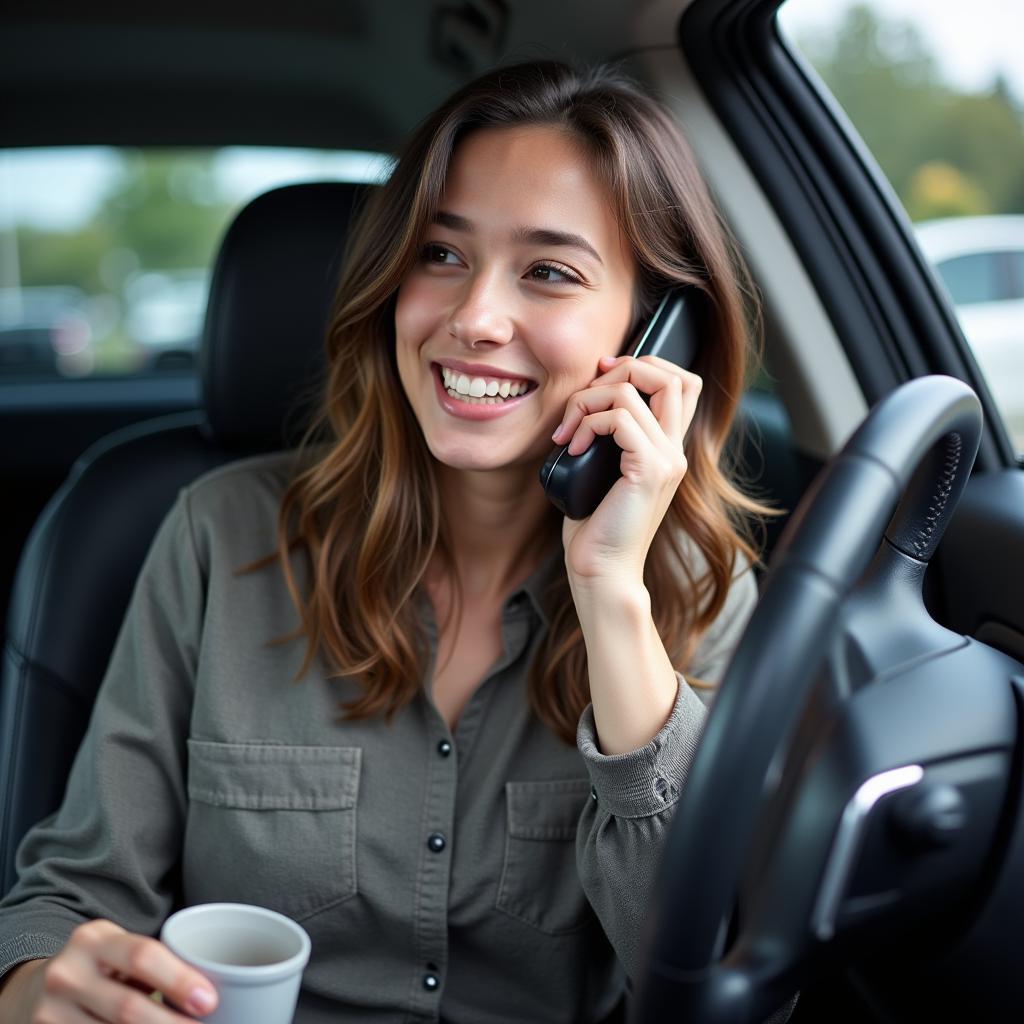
{"x":105,"y":253}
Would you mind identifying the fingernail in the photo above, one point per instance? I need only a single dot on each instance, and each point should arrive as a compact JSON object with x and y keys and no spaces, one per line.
{"x":558,"y":432}
{"x":201,"y":1000}
{"x":608,"y":359}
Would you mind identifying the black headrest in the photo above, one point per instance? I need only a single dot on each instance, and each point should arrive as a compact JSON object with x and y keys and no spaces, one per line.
{"x":262,"y":352}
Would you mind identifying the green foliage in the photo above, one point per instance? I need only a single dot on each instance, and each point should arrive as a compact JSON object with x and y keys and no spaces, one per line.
{"x":163,"y":210}
{"x":944,"y":151}
{"x":983,"y":136}
{"x":940,"y":190}
{"x":162,"y":213}
{"x":61,"y":258}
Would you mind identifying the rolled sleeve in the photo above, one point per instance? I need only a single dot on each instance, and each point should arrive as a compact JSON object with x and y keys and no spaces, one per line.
{"x":646,"y":780}
{"x":35,"y":945}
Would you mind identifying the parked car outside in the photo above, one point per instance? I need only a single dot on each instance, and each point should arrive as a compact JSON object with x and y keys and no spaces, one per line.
{"x":981,"y":262}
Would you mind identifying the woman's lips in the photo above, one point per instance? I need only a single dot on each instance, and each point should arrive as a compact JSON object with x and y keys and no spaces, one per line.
{"x":472,"y":410}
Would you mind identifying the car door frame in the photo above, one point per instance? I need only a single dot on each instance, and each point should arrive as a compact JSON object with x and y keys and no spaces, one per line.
{"x":883,"y":298}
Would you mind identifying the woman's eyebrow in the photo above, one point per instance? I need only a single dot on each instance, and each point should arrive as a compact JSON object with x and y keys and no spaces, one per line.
{"x":531,"y":236}
{"x":549,"y":236}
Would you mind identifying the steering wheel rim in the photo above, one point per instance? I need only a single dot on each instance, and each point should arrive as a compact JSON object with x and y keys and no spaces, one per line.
{"x":899,"y":477}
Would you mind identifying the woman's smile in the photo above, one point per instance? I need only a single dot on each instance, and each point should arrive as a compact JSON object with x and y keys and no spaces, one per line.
{"x":479,"y":396}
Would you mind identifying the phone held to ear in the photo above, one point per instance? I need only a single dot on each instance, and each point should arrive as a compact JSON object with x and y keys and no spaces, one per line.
{"x":576,"y":484}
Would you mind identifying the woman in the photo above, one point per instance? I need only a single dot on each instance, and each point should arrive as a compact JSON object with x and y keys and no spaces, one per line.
{"x":464,"y":797}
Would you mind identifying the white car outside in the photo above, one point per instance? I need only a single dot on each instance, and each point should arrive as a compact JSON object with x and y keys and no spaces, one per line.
{"x":981,"y":262}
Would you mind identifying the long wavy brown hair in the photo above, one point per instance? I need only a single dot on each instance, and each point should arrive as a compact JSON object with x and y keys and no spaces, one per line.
{"x":366,"y":509}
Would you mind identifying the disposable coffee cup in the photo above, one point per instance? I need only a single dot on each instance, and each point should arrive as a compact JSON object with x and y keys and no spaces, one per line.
{"x":254,"y":958}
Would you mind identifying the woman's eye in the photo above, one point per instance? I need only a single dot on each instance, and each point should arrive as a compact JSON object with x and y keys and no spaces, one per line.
{"x":549,"y":273}
{"x":440,"y":254}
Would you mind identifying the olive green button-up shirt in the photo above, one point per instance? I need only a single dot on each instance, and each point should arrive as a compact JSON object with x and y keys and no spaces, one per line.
{"x":493,"y":874}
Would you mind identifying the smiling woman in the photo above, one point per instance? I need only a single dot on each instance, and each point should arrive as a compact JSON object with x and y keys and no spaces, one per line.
{"x":476,"y":837}
{"x":528,"y":229}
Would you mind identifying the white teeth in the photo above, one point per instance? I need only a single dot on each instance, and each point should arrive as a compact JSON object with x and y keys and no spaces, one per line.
{"x":481,"y":389}
{"x":470,"y":400}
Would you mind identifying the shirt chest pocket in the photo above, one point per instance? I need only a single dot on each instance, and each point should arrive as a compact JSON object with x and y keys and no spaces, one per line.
{"x":272,"y":825}
{"x":539,"y":881}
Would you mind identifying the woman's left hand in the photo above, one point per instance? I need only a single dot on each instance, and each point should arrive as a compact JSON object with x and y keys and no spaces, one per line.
{"x":609,"y":547}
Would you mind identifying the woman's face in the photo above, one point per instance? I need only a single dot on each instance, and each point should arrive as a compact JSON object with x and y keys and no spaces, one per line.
{"x":524,"y":281}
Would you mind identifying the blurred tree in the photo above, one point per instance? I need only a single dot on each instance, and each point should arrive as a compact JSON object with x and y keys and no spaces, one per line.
{"x":161,"y":213}
{"x":983,"y":136}
{"x":165,"y":211}
{"x":940,"y":190}
{"x":62,"y":257}
{"x":890,"y":85}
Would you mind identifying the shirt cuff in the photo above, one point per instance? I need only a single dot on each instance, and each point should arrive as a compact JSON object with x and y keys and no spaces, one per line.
{"x":32,"y":946}
{"x":649,"y":779}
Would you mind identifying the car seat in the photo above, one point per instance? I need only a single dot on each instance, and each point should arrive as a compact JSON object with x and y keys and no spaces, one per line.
{"x":261,"y":361}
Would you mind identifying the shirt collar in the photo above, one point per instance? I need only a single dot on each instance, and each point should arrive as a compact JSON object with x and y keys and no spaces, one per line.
{"x":535,"y":585}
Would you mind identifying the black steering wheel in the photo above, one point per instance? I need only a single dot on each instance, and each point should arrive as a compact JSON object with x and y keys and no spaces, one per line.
{"x":823,"y":815}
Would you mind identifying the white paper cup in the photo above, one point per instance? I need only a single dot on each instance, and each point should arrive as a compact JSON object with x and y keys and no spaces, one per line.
{"x":254,"y":957}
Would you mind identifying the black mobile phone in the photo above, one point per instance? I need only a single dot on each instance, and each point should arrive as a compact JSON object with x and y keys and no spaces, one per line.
{"x":576,"y":484}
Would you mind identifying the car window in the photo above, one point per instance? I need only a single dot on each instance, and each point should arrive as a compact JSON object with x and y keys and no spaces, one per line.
{"x":1015,"y":274}
{"x":951,"y":143}
{"x":105,"y":253}
{"x":973,"y":278}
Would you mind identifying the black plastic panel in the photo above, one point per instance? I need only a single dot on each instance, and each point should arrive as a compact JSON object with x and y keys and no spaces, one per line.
{"x":981,"y":562}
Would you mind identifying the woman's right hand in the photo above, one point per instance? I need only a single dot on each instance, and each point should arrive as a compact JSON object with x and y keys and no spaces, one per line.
{"x":108,"y":974}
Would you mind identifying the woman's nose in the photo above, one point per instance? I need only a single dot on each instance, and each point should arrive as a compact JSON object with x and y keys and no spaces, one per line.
{"x":483,"y":315}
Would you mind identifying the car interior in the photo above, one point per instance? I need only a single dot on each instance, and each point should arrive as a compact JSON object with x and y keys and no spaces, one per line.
{"x":879,"y":896}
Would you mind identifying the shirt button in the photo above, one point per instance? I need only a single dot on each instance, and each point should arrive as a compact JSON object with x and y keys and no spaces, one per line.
{"x":431,"y":982}
{"x":436,"y":842}
{"x":444,"y":748}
